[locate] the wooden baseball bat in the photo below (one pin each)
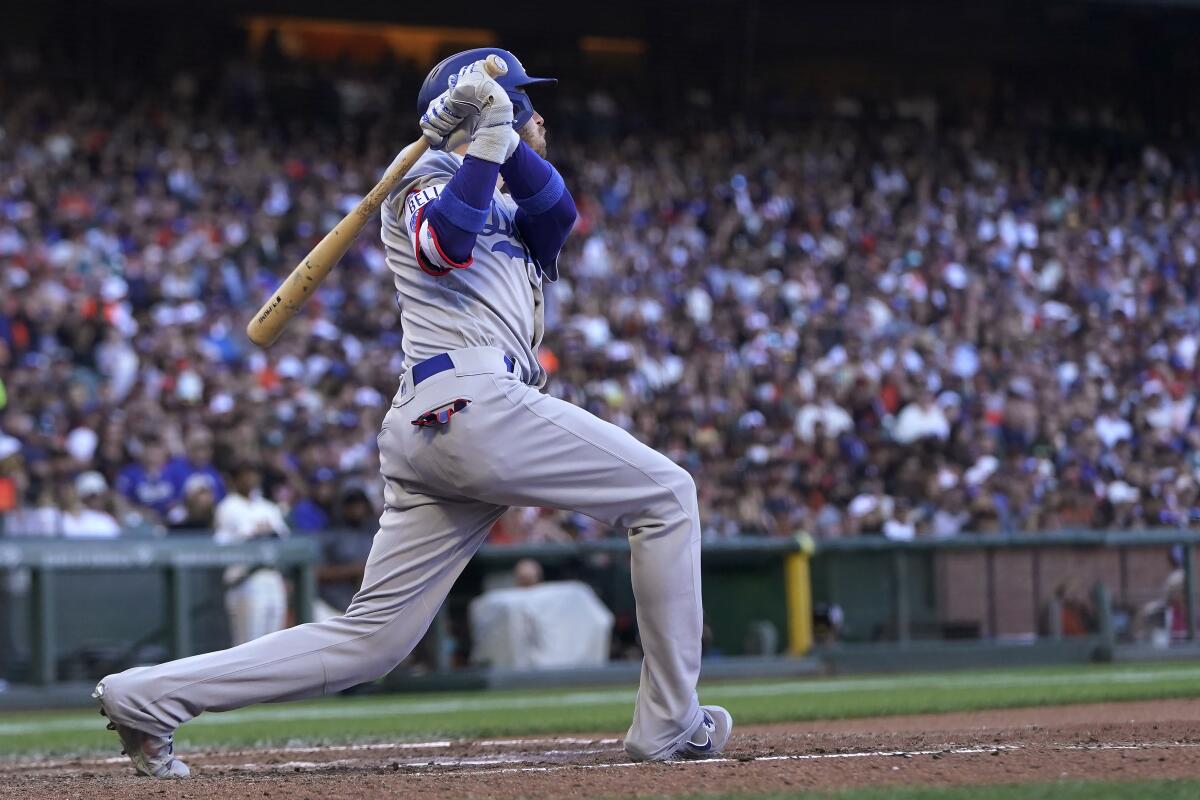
(267, 325)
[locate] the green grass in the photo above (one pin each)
(1147, 790)
(607, 710)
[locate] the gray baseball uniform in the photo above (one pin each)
(446, 483)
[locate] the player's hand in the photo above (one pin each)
(440, 121)
(474, 100)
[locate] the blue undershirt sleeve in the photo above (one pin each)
(461, 209)
(545, 209)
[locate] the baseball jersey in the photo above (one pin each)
(497, 301)
(238, 519)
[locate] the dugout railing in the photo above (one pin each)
(113, 597)
(961, 595)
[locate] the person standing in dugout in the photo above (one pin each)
(468, 435)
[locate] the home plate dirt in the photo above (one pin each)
(1116, 741)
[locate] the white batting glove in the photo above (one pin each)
(440, 120)
(477, 104)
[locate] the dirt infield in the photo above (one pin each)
(1118, 741)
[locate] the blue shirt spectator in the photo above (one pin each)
(145, 484)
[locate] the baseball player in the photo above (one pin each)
(468, 435)
(256, 600)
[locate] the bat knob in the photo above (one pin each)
(495, 66)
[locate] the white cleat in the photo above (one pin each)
(151, 755)
(710, 737)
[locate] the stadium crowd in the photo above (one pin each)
(839, 326)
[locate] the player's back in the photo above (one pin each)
(496, 301)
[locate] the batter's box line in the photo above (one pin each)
(515, 758)
(439, 744)
(954, 751)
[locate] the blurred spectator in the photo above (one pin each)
(1112, 428)
(255, 598)
(822, 417)
(531, 525)
(85, 512)
(527, 572)
(10, 454)
(197, 459)
(828, 621)
(315, 511)
(1163, 619)
(344, 551)
(920, 419)
(1077, 616)
(145, 484)
(539, 624)
(951, 517)
(197, 512)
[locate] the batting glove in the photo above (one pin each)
(477, 104)
(440, 120)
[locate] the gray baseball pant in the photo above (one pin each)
(444, 486)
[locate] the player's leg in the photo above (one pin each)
(517, 446)
(422, 546)
(586, 464)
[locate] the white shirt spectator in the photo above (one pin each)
(1112, 429)
(9, 446)
(83, 523)
(119, 362)
(983, 468)
(240, 519)
(40, 520)
(595, 330)
(1170, 414)
(81, 444)
(865, 503)
(899, 530)
(920, 421)
(833, 417)
(87, 523)
(948, 523)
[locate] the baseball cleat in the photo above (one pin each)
(151, 755)
(710, 737)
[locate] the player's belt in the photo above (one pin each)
(442, 362)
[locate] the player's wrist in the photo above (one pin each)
(496, 143)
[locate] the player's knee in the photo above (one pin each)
(118, 692)
(115, 686)
(680, 493)
(378, 659)
(381, 664)
(388, 646)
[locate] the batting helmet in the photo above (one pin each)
(514, 82)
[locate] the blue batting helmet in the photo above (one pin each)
(514, 82)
